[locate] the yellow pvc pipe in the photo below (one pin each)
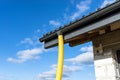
(60, 57)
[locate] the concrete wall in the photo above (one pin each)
(105, 47)
(104, 69)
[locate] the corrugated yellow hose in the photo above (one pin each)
(60, 57)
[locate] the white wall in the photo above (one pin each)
(104, 69)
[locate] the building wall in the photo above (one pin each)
(105, 47)
(104, 69)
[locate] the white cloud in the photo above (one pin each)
(54, 23)
(86, 57)
(7, 77)
(81, 7)
(38, 30)
(27, 41)
(30, 54)
(51, 74)
(68, 16)
(107, 2)
(31, 42)
(25, 55)
(87, 49)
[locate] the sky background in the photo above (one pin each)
(23, 22)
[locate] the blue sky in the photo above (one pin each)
(23, 22)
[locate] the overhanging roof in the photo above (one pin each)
(81, 29)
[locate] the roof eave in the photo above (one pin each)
(88, 18)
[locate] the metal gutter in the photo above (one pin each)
(100, 24)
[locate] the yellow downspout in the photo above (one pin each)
(60, 57)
